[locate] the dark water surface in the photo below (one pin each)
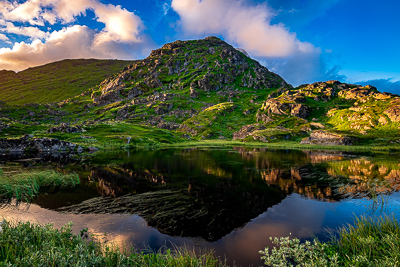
(228, 200)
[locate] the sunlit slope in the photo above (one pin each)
(55, 81)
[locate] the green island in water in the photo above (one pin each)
(191, 99)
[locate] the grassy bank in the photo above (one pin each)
(122, 135)
(26, 244)
(368, 243)
(282, 145)
(25, 186)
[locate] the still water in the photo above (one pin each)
(229, 200)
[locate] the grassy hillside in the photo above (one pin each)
(193, 90)
(56, 81)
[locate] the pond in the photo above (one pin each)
(230, 200)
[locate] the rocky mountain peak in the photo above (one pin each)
(189, 66)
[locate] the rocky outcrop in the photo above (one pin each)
(299, 110)
(280, 107)
(276, 107)
(65, 128)
(36, 144)
(247, 130)
(393, 113)
(356, 93)
(320, 137)
(163, 108)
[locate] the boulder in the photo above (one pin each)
(393, 113)
(193, 93)
(299, 110)
(320, 137)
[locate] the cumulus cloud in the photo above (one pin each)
(121, 25)
(249, 26)
(68, 10)
(122, 36)
(73, 42)
(26, 31)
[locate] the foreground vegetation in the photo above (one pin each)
(368, 243)
(25, 186)
(26, 244)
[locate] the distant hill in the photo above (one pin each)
(56, 81)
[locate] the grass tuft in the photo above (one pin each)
(25, 186)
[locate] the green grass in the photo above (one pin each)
(26, 244)
(369, 242)
(56, 81)
(25, 186)
(283, 145)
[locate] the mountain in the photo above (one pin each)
(56, 81)
(207, 89)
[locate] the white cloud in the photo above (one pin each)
(26, 31)
(246, 25)
(68, 10)
(121, 36)
(249, 26)
(28, 11)
(4, 38)
(121, 25)
(73, 42)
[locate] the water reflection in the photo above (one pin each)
(367, 177)
(234, 198)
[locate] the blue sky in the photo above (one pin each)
(304, 41)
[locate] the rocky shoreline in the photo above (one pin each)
(28, 143)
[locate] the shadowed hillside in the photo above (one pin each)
(56, 81)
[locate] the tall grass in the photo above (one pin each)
(25, 186)
(26, 244)
(369, 242)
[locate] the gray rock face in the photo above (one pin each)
(39, 144)
(320, 137)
